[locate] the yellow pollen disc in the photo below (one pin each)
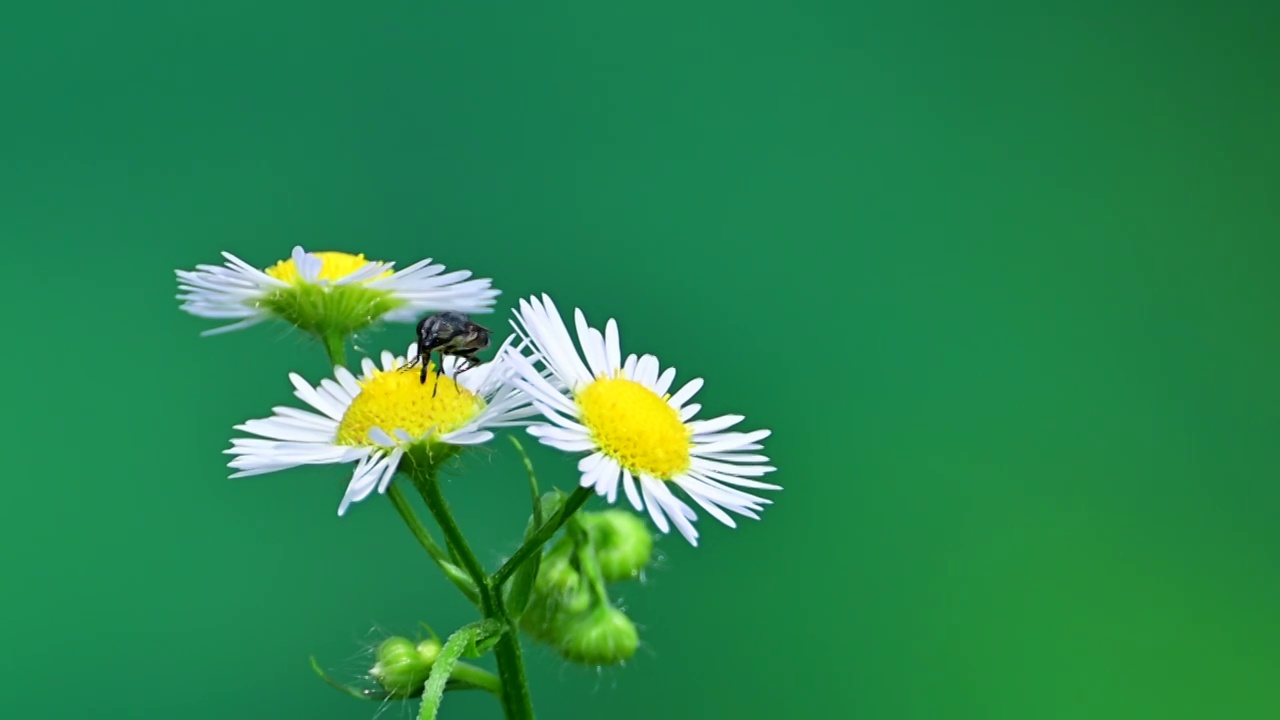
(636, 427)
(397, 400)
(333, 266)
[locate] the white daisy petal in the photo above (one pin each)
(711, 508)
(308, 265)
(735, 457)
(732, 478)
(594, 477)
(702, 427)
(664, 381)
(389, 467)
(283, 429)
(556, 418)
(532, 382)
(675, 508)
(612, 346)
(336, 391)
(590, 462)
(347, 380)
(471, 438)
(572, 446)
(647, 371)
(724, 467)
(548, 332)
(608, 474)
(309, 395)
(380, 437)
(683, 395)
(652, 505)
(731, 443)
(629, 485)
(722, 494)
(249, 322)
(602, 359)
(592, 346)
(303, 416)
(363, 482)
(703, 439)
(557, 433)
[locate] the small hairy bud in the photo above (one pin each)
(622, 543)
(402, 667)
(605, 636)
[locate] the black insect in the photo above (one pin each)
(449, 333)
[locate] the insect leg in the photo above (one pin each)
(439, 370)
(413, 361)
(468, 360)
(425, 359)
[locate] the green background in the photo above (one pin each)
(1001, 278)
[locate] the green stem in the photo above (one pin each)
(479, 677)
(425, 480)
(424, 538)
(540, 538)
(334, 346)
(584, 548)
(516, 702)
(510, 657)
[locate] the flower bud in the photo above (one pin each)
(561, 586)
(622, 542)
(557, 574)
(605, 636)
(402, 667)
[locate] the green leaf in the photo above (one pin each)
(533, 480)
(347, 689)
(470, 640)
(522, 582)
(431, 633)
(460, 579)
(487, 633)
(520, 588)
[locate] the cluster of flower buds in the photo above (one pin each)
(570, 609)
(401, 666)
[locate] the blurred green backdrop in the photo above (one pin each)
(1001, 277)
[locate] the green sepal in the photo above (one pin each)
(330, 310)
(604, 636)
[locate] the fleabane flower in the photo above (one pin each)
(375, 419)
(327, 293)
(635, 435)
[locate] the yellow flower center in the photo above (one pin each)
(333, 266)
(396, 400)
(634, 426)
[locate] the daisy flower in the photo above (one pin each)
(635, 435)
(375, 419)
(327, 292)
